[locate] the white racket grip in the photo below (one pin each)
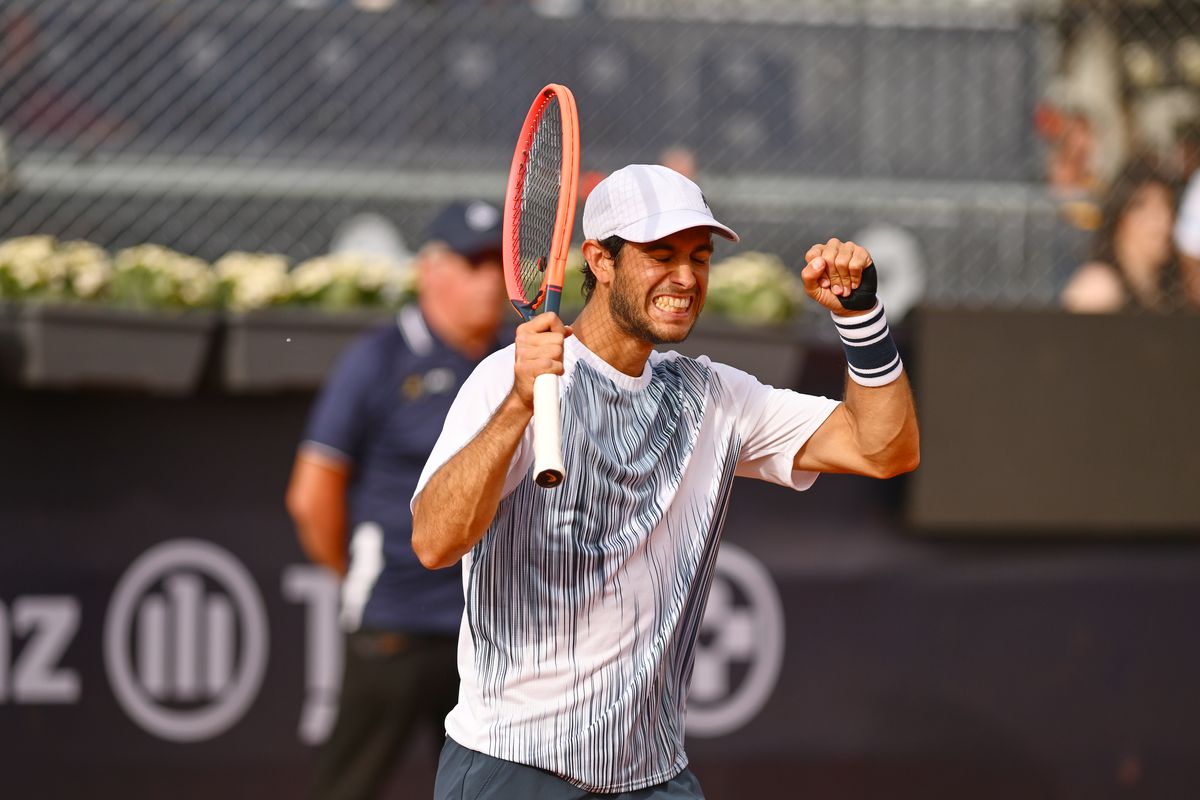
(547, 448)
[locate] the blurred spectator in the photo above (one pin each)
(681, 159)
(587, 181)
(368, 437)
(1187, 240)
(1187, 147)
(1072, 184)
(1133, 263)
(1162, 121)
(1187, 225)
(1071, 154)
(1090, 86)
(31, 101)
(1083, 121)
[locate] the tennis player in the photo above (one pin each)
(583, 602)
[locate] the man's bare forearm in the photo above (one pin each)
(324, 544)
(884, 421)
(456, 507)
(316, 500)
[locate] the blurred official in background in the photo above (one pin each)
(369, 434)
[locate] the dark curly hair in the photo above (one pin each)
(613, 245)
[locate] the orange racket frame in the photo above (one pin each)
(564, 224)
(548, 469)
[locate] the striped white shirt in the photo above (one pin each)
(583, 602)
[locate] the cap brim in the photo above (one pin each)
(660, 226)
(476, 244)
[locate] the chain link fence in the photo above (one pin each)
(932, 129)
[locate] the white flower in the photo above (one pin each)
(85, 266)
(351, 278)
(253, 280)
(89, 279)
(25, 260)
(26, 248)
(39, 265)
(313, 275)
(144, 256)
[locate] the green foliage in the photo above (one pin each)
(150, 276)
(754, 289)
(347, 280)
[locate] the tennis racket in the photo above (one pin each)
(539, 215)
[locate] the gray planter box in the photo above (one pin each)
(774, 354)
(81, 346)
(280, 349)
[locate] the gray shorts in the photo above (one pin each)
(468, 775)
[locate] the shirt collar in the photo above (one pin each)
(414, 330)
(576, 350)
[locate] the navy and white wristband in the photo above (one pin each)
(871, 354)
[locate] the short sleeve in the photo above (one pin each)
(338, 422)
(477, 400)
(773, 425)
(1187, 224)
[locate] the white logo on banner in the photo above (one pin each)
(740, 649)
(319, 590)
(185, 640)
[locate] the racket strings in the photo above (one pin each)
(540, 191)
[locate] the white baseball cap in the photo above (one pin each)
(647, 202)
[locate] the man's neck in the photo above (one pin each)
(598, 332)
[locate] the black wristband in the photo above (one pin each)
(863, 297)
(871, 355)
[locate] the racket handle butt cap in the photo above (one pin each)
(548, 478)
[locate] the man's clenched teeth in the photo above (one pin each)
(673, 303)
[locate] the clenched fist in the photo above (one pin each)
(840, 276)
(539, 351)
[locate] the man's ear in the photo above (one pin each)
(599, 261)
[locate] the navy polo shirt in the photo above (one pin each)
(381, 413)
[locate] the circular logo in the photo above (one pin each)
(185, 640)
(739, 651)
